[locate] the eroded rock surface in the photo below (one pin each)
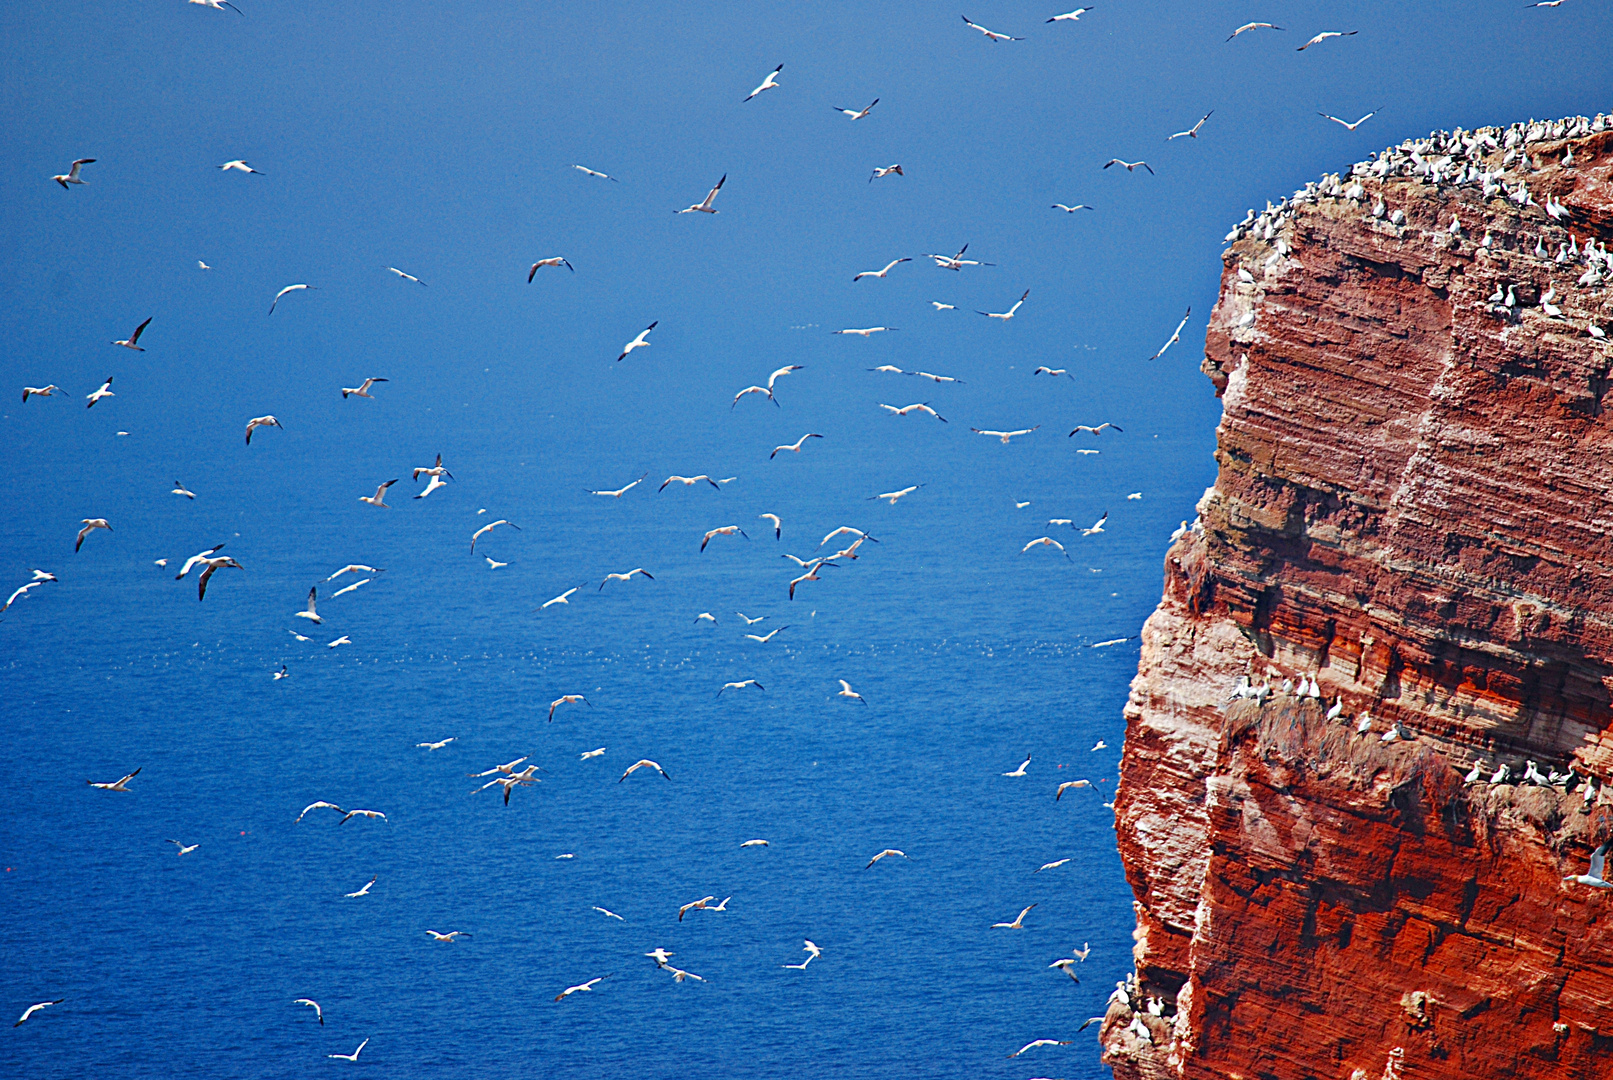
(1414, 507)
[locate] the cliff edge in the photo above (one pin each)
(1372, 723)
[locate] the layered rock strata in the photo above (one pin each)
(1412, 530)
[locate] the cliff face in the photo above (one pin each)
(1415, 507)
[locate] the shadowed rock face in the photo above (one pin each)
(1414, 506)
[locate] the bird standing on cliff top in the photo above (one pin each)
(1595, 877)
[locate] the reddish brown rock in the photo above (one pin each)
(1414, 506)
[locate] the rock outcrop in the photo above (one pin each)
(1412, 530)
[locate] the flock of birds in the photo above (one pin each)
(1308, 691)
(1452, 159)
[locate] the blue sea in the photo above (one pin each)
(969, 654)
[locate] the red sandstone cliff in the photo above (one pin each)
(1415, 506)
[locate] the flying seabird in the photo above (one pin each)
(1097, 526)
(882, 854)
(488, 528)
(1192, 132)
(378, 499)
(353, 568)
(1045, 541)
(437, 745)
(39, 391)
(448, 937)
(591, 172)
(238, 165)
(847, 692)
(365, 890)
(778, 526)
(1176, 335)
(223, 562)
(1069, 209)
(955, 262)
(362, 813)
(1059, 794)
(1050, 866)
(1324, 35)
(105, 391)
(567, 699)
(644, 763)
(893, 495)
(769, 83)
(1349, 126)
(1004, 435)
(1070, 16)
(607, 912)
(40, 1004)
(704, 205)
(1252, 26)
(920, 406)
(354, 1055)
(688, 481)
(557, 260)
(754, 843)
(865, 331)
(1005, 315)
(282, 292)
(625, 577)
(132, 341)
(115, 785)
(640, 342)
(879, 273)
(71, 176)
(1130, 166)
(754, 390)
(794, 447)
(857, 114)
(726, 530)
(181, 489)
(1017, 924)
(362, 390)
(256, 422)
(1039, 1042)
(1020, 772)
(1595, 876)
(1098, 430)
(741, 686)
(406, 277)
(619, 492)
(561, 599)
(22, 591)
(765, 638)
(991, 35)
(320, 805)
(320, 1013)
(90, 525)
(877, 174)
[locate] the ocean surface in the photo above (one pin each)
(970, 655)
(440, 139)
